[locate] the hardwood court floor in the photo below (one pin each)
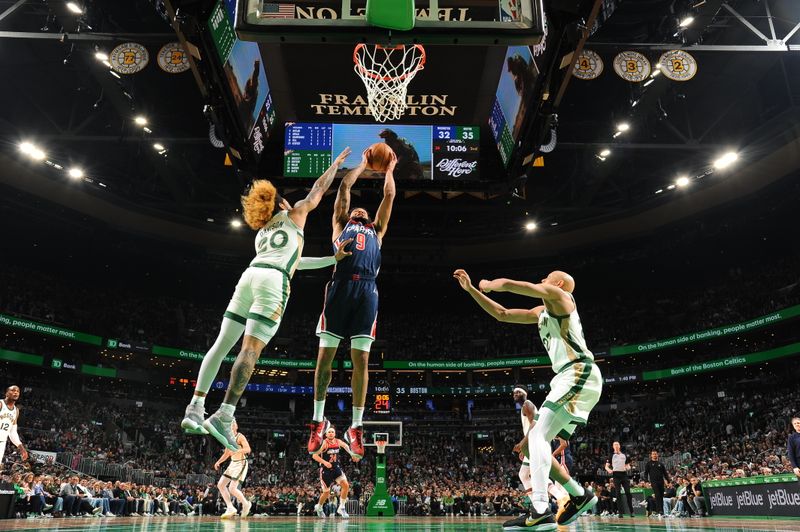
(399, 524)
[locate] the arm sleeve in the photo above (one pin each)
(315, 263)
(14, 436)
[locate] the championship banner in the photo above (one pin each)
(52, 330)
(716, 332)
(678, 65)
(466, 364)
(588, 66)
(777, 495)
(632, 66)
(42, 457)
(723, 363)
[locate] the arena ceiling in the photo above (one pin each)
(744, 98)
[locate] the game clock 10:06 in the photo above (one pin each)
(382, 404)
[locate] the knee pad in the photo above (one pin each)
(361, 343)
(328, 340)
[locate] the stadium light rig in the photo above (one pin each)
(236, 224)
(726, 160)
(75, 8)
(530, 226)
(682, 181)
(75, 173)
(140, 120)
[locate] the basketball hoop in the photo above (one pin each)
(386, 72)
(381, 445)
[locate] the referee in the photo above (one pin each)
(618, 466)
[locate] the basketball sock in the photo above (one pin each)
(319, 411)
(229, 333)
(198, 400)
(227, 409)
(358, 414)
(574, 488)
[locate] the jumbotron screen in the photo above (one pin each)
(423, 152)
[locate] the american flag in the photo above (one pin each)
(277, 10)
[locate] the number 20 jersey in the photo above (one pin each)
(279, 243)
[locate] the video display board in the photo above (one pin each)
(423, 152)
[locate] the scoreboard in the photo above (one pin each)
(424, 152)
(383, 399)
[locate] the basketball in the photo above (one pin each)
(379, 156)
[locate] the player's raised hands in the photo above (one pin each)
(340, 251)
(392, 162)
(463, 279)
(342, 156)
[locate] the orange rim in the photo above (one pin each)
(366, 72)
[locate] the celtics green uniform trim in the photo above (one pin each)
(567, 397)
(262, 319)
(235, 317)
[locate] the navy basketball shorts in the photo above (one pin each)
(350, 309)
(328, 477)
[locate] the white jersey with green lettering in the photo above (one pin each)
(563, 339)
(279, 244)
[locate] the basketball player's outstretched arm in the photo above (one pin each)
(493, 308)
(341, 206)
(541, 291)
(385, 208)
(300, 211)
(529, 411)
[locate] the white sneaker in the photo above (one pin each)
(340, 511)
(230, 513)
(246, 508)
(320, 511)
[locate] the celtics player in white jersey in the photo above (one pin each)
(574, 391)
(260, 298)
(9, 415)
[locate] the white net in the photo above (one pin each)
(386, 73)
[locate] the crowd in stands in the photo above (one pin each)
(700, 436)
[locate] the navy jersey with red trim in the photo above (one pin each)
(331, 454)
(365, 262)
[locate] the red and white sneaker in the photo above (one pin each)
(318, 429)
(355, 439)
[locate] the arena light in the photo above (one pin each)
(659, 191)
(26, 148)
(605, 153)
(140, 120)
(236, 224)
(75, 8)
(75, 173)
(530, 226)
(115, 75)
(726, 160)
(682, 181)
(106, 63)
(623, 127)
(670, 187)
(147, 130)
(648, 82)
(101, 56)
(686, 21)
(656, 72)
(159, 147)
(37, 154)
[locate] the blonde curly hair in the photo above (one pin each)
(259, 204)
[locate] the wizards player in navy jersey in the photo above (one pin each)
(330, 471)
(351, 302)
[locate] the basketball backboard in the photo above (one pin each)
(477, 22)
(389, 431)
